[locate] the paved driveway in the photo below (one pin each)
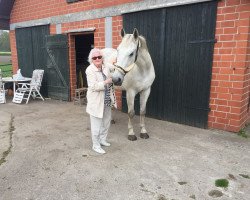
(48, 156)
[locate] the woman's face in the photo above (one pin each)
(97, 59)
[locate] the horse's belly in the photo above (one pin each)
(137, 84)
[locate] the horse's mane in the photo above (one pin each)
(143, 42)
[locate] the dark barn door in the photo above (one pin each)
(180, 41)
(57, 67)
(31, 51)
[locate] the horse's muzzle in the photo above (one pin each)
(117, 81)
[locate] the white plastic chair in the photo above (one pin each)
(2, 93)
(25, 90)
(2, 90)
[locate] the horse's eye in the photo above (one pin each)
(130, 55)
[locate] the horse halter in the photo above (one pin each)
(127, 69)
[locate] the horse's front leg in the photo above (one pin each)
(143, 101)
(131, 113)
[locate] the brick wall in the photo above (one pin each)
(14, 59)
(230, 84)
(25, 10)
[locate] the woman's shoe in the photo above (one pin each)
(104, 143)
(99, 150)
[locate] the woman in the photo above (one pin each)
(100, 98)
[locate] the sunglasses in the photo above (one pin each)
(99, 57)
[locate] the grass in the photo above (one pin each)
(242, 133)
(11, 130)
(6, 70)
(5, 53)
(221, 183)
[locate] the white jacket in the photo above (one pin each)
(96, 90)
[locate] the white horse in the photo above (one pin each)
(134, 71)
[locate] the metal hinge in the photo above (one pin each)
(203, 41)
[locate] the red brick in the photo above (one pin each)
(235, 110)
(232, 2)
(233, 128)
(218, 44)
(213, 95)
(236, 90)
(222, 120)
(216, 57)
(218, 24)
(225, 84)
(233, 116)
(240, 57)
(213, 89)
(230, 9)
(241, 8)
(224, 64)
(238, 84)
(210, 124)
(223, 108)
(222, 90)
(211, 119)
(214, 83)
(240, 51)
(234, 122)
(221, 102)
(219, 31)
(244, 30)
(245, 15)
(236, 97)
(235, 104)
(229, 44)
(227, 57)
(231, 16)
(224, 96)
(223, 77)
(227, 24)
(215, 69)
(221, 4)
(241, 36)
(230, 30)
(225, 51)
(218, 126)
(242, 22)
(219, 10)
(244, 1)
(220, 18)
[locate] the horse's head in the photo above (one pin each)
(127, 55)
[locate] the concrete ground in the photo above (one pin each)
(46, 155)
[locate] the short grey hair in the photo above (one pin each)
(92, 52)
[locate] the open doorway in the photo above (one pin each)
(83, 44)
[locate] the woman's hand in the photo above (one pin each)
(108, 81)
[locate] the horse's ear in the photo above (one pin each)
(123, 32)
(136, 33)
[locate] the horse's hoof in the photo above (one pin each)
(132, 137)
(144, 135)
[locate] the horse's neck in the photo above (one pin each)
(144, 61)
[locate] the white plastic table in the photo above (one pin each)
(10, 79)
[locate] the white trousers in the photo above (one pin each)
(100, 126)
